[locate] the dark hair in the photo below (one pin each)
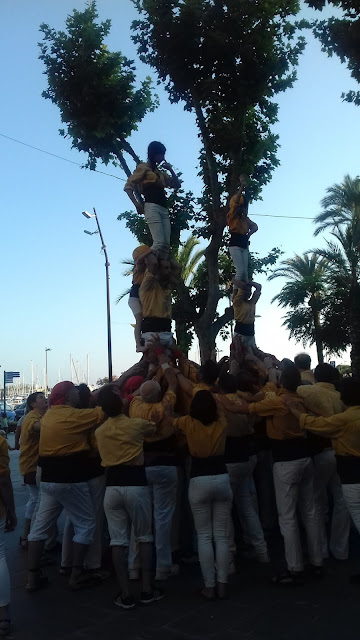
(290, 378)
(84, 396)
(154, 149)
(350, 391)
(209, 372)
(110, 401)
(227, 383)
(286, 362)
(203, 407)
(302, 361)
(324, 373)
(246, 380)
(31, 399)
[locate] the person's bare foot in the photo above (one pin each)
(208, 593)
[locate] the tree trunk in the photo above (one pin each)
(317, 332)
(207, 344)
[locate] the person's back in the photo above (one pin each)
(303, 363)
(321, 398)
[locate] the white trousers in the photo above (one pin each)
(210, 499)
(240, 258)
(326, 480)
(93, 557)
(352, 498)
(294, 489)
(245, 501)
(158, 221)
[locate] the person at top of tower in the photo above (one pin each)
(241, 228)
(150, 182)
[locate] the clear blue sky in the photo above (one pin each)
(53, 276)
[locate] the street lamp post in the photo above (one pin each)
(107, 264)
(46, 369)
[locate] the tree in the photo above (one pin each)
(305, 295)
(189, 261)
(343, 261)
(93, 88)
(341, 36)
(225, 61)
(341, 205)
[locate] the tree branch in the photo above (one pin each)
(220, 322)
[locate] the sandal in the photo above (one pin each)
(5, 627)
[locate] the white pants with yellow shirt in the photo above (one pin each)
(294, 490)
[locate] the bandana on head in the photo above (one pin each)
(131, 385)
(59, 392)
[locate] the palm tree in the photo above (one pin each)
(189, 263)
(343, 267)
(341, 205)
(304, 295)
(188, 259)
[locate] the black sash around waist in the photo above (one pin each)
(290, 449)
(71, 468)
(236, 449)
(239, 240)
(245, 329)
(161, 452)
(155, 325)
(155, 193)
(212, 466)
(122, 475)
(348, 468)
(134, 291)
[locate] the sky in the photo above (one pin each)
(53, 275)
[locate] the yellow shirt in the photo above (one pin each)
(139, 267)
(321, 399)
(244, 310)
(140, 409)
(29, 443)
(155, 300)
(145, 175)
(203, 440)
(280, 423)
(64, 430)
(4, 457)
(343, 429)
(189, 371)
(235, 223)
(120, 440)
(202, 386)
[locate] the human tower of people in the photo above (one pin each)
(166, 458)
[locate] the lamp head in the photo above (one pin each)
(87, 214)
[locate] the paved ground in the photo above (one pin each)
(256, 610)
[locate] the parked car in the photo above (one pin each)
(10, 414)
(20, 411)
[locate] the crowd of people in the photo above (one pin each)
(177, 460)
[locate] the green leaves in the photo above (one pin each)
(93, 88)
